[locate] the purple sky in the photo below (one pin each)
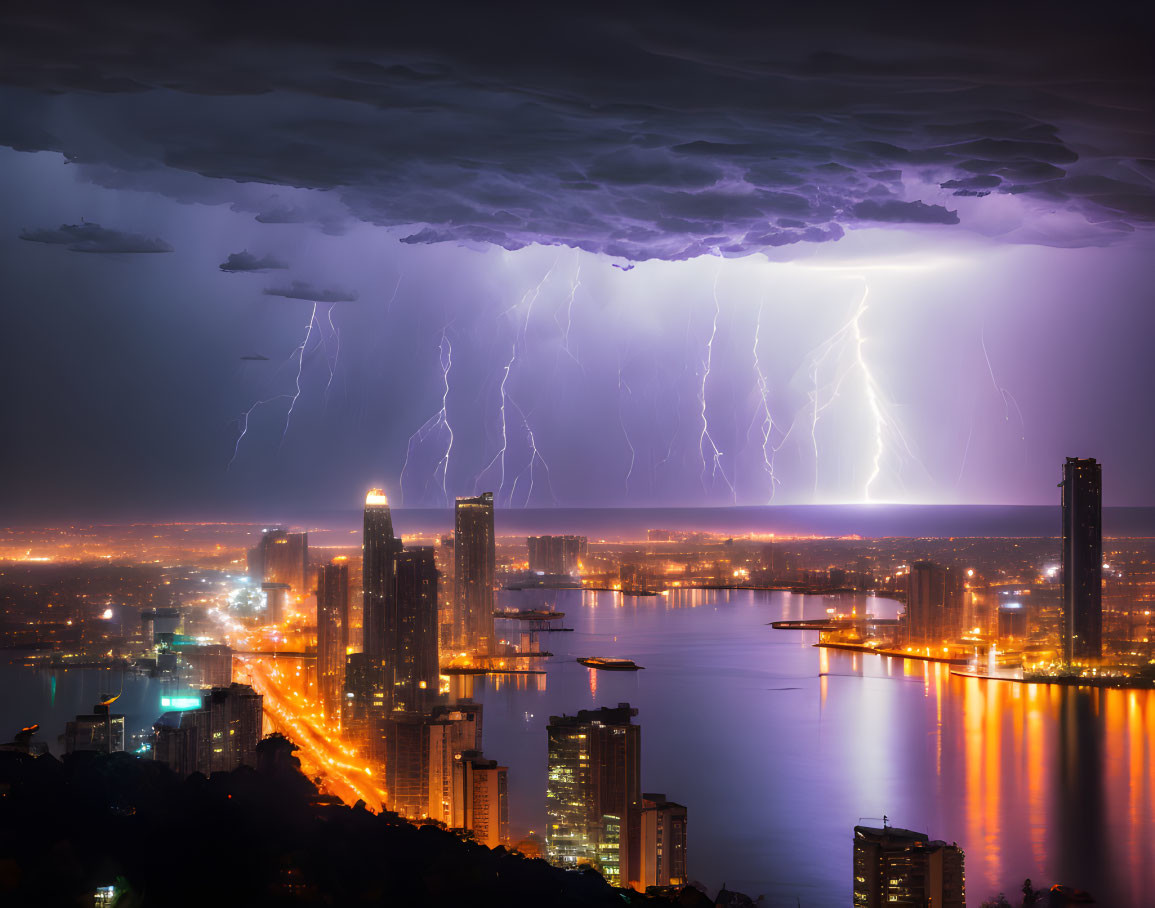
(692, 262)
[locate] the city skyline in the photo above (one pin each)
(411, 410)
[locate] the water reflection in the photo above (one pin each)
(778, 748)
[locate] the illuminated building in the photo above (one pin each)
(332, 635)
(556, 554)
(101, 731)
(479, 800)
(406, 741)
(898, 867)
(474, 571)
(218, 737)
(662, 857)
(363, 705)
(413, 660)
(379, 547)
(1082, 610)
(211, 664)
(593, 799)
(934, 603)
(276, 602)
(453, 730)
(283, 558)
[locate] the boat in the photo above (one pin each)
(529, 614)
(611, 665)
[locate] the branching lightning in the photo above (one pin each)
(1007, 398)
(438, 422)
(762, 417)
(300, 352)
(705, 437)
(622, 424)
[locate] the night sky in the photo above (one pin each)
(258, 256)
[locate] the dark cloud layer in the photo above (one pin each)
(302, 290)
(91, 237)
(640, 130)
(246, 261)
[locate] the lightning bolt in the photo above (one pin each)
(519, 340)
(436, 422)
(573, 289)
(1007, 398)
(500, 455)
(300, 352)
(848, 345)
(762, 417)
(243, 419)
(622, 424)
(705, 436)
(336, 335)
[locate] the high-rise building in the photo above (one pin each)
(934, 603)
(101, 730)
(663, 842)
(593, 799)
(474, 567)
(413, 661)
(480, 801)
(453, 730)
(406, 740)
(898, 867)
(276, 602)
(218, 737)
(1082, 610)
(556, 554)
(379, 548)
(332, 634)
(364, 705)
(283, 558)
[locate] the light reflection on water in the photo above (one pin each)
(778, 748)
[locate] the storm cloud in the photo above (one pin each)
(642, 132)
(91, 237)
(246, 261)
(302, 290)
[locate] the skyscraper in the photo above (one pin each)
(379, 548)
(593, 799)
(905, 869)
(101, 730)
(413, 661)
(453, 730)
(220, 736)
(556, 554)
(283, 558)
(473, 571)
(1082, 611)
(479, 801)
(934, 603)
(663, 842)
(332, 634)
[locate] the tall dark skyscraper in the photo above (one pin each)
(899, 867)
(473, 572)
(594, 799)
(1082, 630)
(332, 634)
(379, 548)
(413, 661)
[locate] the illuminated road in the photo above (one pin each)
(297, 717)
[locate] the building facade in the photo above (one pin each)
(556, 554)
(480, 801)
(662, 859)
(413, 661)
(898, 868)
(934, 604)
(1081, 634)
(474, 569)
(332, 635)
(283, 558)
(593, 799)
(220, 736)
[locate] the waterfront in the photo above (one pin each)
(778, 748)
